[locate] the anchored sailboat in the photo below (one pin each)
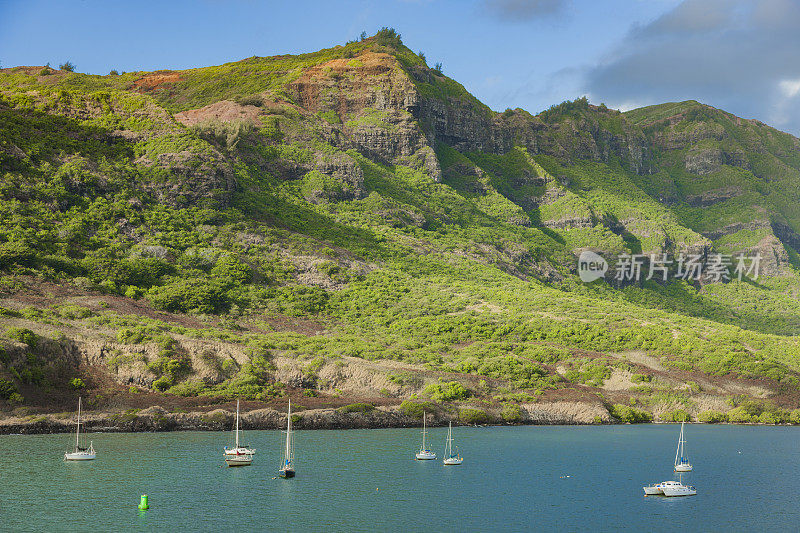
(451, 458)
(239, 455)
(682, 463)
(81, 453)
(287, 466)
(424, 454)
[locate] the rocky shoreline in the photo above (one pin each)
(157, 418)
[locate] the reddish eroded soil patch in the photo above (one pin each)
(155, 80)
(354, 75)
(366, 63)
(223, 111)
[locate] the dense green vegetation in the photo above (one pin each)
(236, 223)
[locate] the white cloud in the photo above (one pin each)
(738, 55)
(789, 88)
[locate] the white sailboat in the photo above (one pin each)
(80, 453)
(449, 457)
(287, 465)
(239, 455)
(424, 454)
(682, 464)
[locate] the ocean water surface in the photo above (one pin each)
(513, 479)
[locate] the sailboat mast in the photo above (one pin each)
(424, 429)
(289, 432)
(679, 451)
(78, 432)
(237, 423)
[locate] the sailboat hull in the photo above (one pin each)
(79, 456)
(453, 461)
(683, 468)
(286, 473)
(239, 460)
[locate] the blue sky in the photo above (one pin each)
(740, 55)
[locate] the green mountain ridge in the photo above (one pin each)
(351, 224)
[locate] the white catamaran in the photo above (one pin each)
(424, 454)
(239, 455)
(451, 458)
(287, 465)
(682, 464)
(80, 453)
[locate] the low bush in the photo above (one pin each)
(188, 388)
(473, 416)
(416, 409)
(630, 415)
(357, 408)
(446, 392)
(511, 413)
(740, 415)
(7, 388)
(712, 417)
(678, 415)
(23, 335)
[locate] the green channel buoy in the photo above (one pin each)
(143, 503)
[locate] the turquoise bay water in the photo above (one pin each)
(512, 479)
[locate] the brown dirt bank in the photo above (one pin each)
(159, 419)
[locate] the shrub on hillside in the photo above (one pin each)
(511, 413)
(678, 415)
(188, 388)
(7, 388)
(416, 409)
(740, 415)
(357, 408)
(446, 392)
(23, 335)
(16, 253)
(630, 415)
(712, 417)
(388, 37)
(473, 416)
(194, 295)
